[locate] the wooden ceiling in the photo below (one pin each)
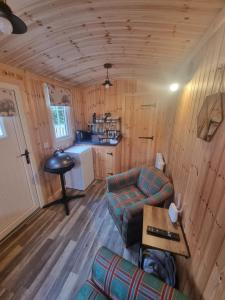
(72, 39)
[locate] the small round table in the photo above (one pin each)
(60, 163)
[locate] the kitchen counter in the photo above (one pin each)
(97, 143)
(106, 157)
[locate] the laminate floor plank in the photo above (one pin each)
(50, 255)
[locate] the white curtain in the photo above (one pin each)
(59, 96)
(7, 103)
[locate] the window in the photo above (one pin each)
(2, 129)
(60, 118)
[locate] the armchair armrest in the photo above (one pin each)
(119, 181)
(132, 218)
(120, 279)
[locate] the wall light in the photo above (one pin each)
(5, 26)
(174, 87)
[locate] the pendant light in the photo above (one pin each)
(10, 23)
(107, 83)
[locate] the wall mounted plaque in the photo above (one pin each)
(210, 116)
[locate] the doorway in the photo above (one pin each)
(140, 130)
(18, 193)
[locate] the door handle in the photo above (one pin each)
(27, 156)
(146, 137)
(110, 153)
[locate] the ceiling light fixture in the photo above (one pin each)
(10, 23)
(107, 83)
(174, 87)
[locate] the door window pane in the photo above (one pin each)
(2, 129)
(60, 117)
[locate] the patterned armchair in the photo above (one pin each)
(128, 192)
(115, 278)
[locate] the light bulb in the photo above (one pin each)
(5, 26)
(174, 87)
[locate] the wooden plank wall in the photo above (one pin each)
(36, 113)
(86, 101)
(142, 39)
(198, 172)
(97, 99)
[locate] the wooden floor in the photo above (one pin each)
(51, 255)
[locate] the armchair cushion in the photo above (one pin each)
(124, 198)
(154, 200)
(151, 181)
(122, 180)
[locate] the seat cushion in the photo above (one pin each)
(89, 291)
(122, 199)
(151, 181)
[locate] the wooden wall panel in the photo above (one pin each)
(197, 169)
(122, 100)
(36, 114)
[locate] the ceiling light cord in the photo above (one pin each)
(107, 83)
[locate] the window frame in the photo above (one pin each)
(67, 121)
(65, 141)
(3, 130)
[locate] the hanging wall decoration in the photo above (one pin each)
(211, 114)
(59, 96)
(7, 103)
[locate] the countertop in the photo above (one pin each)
(97, 144)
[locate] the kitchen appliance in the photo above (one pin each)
(83, 136)
(60, 163)
(82, 174)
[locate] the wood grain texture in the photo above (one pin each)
(144, 110)
(158, 217)
(71, 40)
(37, 115)
(136, 102)
(51, 256)
(197, 169)
(107, 160)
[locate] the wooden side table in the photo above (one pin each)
(159, 218)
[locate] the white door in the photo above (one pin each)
(18, 196)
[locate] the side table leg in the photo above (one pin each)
(140, 257)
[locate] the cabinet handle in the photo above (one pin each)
(110, 174)
(109, 153)
(148, 105)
